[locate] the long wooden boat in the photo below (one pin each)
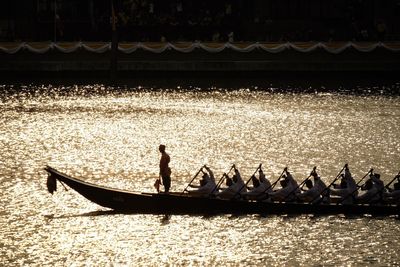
(177, 203)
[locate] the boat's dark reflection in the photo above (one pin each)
(86, 214)
(166, 218)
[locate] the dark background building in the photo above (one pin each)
(206, 20)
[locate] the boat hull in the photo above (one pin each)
(176, 203)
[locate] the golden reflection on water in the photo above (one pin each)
(111, 138)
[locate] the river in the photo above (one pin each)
(110, 137)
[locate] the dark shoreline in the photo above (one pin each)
(375, 72)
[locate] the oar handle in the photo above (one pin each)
(351, 194)
(258, 168)
(386, 186)
(394, 179)
(193, 178)
(301, 184)
(311, 174)
(221, 179)
(370, 171)
(238, 192)
(274, 183)
(327, 188)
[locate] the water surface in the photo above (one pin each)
(110, 137)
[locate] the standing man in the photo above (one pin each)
(165, 170)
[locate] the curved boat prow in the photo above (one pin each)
(112, 198)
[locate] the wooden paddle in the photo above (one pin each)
(327, 188)
(238, 192)
(274, 183)
(351, 194)
(221, 180)
(370, 171)
(193, 179)
(386, 186)
(301, 184)
(394, 179)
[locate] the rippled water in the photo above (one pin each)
(110, 137)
